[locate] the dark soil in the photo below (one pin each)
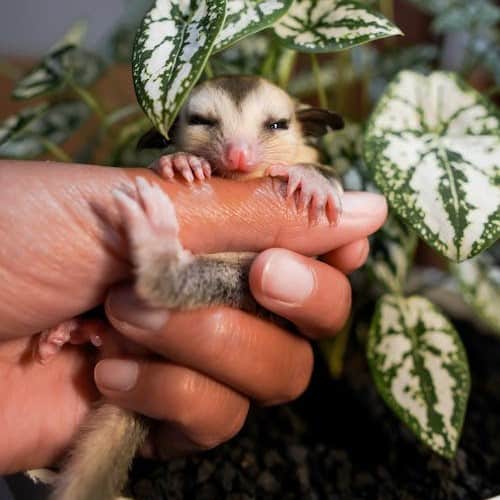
(339, 441)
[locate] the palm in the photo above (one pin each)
(42, 405)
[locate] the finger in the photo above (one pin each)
(67, 213)
(311, 294)
(349, 257)
(205, 411)
(253, 356)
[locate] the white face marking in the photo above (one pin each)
(240, 121)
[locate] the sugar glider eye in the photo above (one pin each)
(277, 125)
(201, 120)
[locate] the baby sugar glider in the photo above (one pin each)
(238, 127)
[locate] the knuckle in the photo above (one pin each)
(225, 431)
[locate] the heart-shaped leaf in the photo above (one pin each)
(330, 25)
(245, 17)
(420, 369)
(434, 146)
(479, 282)
(65, 60)
(23, 135)
(172, 46)
(391, 256)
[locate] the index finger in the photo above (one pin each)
(226, 215)
(63, 251)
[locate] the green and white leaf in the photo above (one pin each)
(391, 255)
(479, 282)
(245, 17)
(172, 46)
(420, 369)
(65, 60)
(330, 25)
(434, 146)
(23, 135)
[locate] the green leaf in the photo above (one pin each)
(330, 25)
(391, 255)
(23, 135)
(479, 282)
(172, 46)
(434, 146)
(65, 60)
(420, 369)
(245, 17)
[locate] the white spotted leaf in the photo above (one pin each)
(245, 17)
(420, 369)
(330, 25)
(23, 135)
(171, 48)
(479, 282)
(66, 59)
(391, 255)
(433, 144)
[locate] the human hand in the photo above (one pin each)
(63, 253)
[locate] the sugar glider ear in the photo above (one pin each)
(317, 121)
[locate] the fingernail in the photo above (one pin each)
(116, 374)
(362, 204)
(286, 279)
(125, 307)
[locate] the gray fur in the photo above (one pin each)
(238, 88)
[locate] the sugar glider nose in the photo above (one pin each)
(238, 157)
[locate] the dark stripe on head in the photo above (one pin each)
(237, 87)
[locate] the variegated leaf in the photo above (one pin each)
(172, 46)
(479, 281)
(434, 146)
(245, 17)
(391, 256)
(16, 124)
(420, 369)
(65, 60)
(329, 25)
(23, 135)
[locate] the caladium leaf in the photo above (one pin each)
(420, 369)
(329, 25)
(245, 17)
(434, 146)
(65, 60)
(16, 124)
(479, 282)
(391, 256)
(172, 46)
(23, 135)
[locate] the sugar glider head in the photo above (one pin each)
(243, 124)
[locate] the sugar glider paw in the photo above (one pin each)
(53, 339)
(150, 223)
(313, 191)
(74, 331)
(191, 167)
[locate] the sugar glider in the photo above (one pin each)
(238, 127)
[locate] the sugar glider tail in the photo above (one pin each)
(97, 469)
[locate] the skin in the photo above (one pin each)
(64, 252)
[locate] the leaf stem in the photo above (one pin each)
(209, 72)
(55, 150)
(285, 67)
(90, 100)
(322, 98)
(387, 8)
